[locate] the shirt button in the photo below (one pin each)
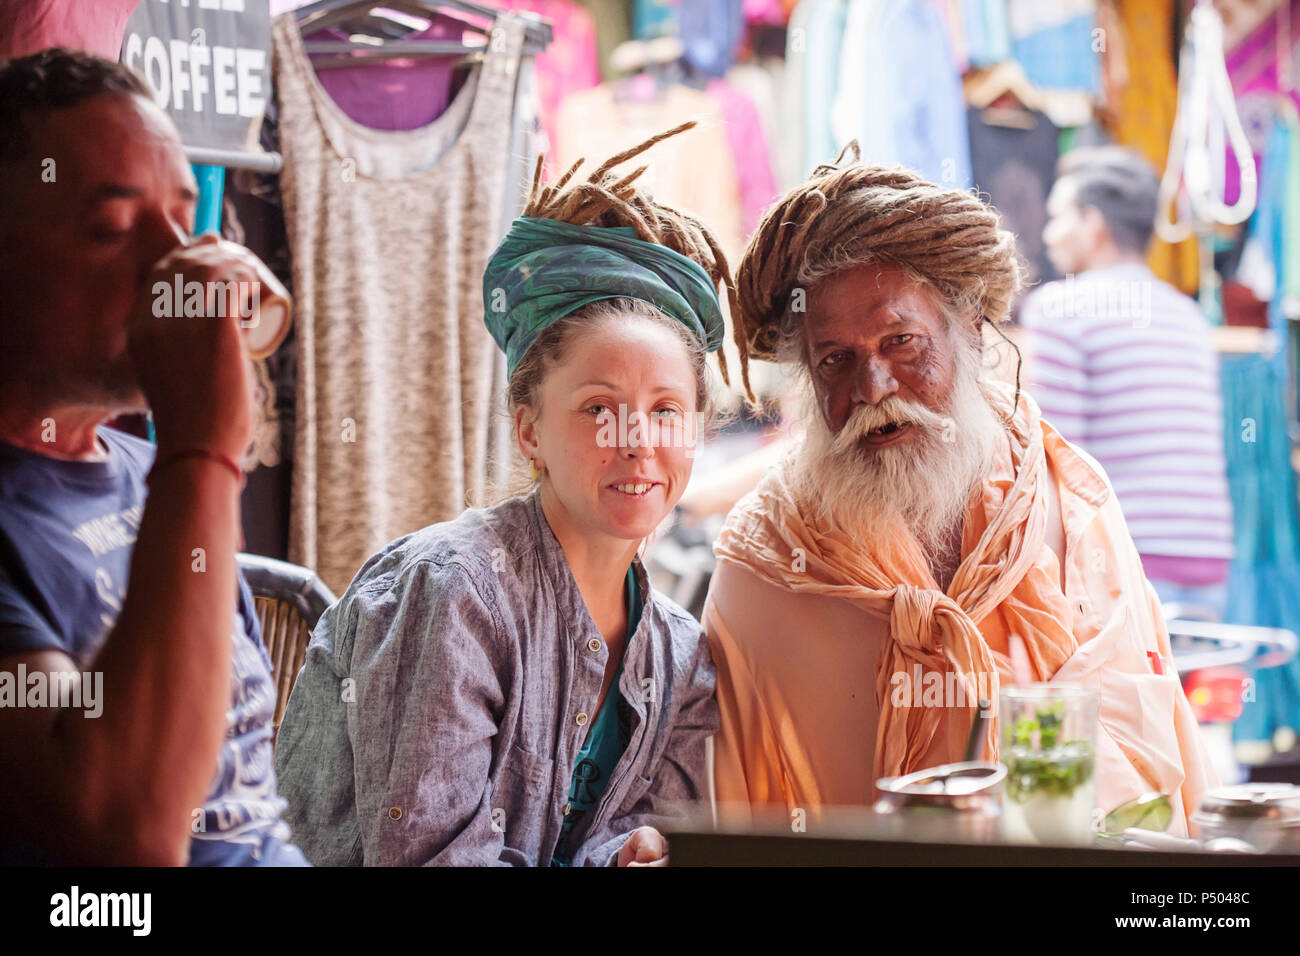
(395, 813)
(565, 810)
(593, 645)
(581, 719)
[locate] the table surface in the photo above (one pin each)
(700, 848)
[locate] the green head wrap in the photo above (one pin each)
(544, 270)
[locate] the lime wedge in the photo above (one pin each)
(1151, 811)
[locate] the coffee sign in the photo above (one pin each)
(209, 64)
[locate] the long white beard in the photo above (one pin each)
(925, 481)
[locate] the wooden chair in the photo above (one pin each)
(289, 600)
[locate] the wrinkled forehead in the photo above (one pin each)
(872, 295)
(118, 140)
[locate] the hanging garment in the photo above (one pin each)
(1288, 255)
(762, 81)
(527, 141)
(1017, 168)
(1054, 43)
(749, 151)
(950, 13)
(569, 62)
(390, 233)
(613, 22)
(27, 26)
(1114, 53)
(654, 18)
(988, 35)
(415, 93)
(710, 31)
(897, 113)
(1144, 117)
(1256, 69)
(1264, 583)
(253, 216)
(791, 92)
(762, 13)
(692, 172)
(389, 95)
(817, 42)
(859, 108)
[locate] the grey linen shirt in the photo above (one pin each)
(446, 695)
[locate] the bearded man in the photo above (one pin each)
(928, 520)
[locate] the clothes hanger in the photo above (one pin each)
(368, 29)
(983, 87)
(377, 12)
(1009, 115)
(315, 15)
(1003, 95)
(387, 22)
(372, 41)
(324, 13)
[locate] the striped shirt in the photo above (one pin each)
(1123, 366)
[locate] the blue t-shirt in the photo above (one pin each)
(605, 744)
(67, 529)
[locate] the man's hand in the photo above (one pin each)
(194, 370)
(645, 847)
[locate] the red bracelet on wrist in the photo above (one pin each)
(173, 457)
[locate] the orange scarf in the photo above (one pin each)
(1005, 584)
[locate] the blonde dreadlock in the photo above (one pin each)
(851, 214)
(604, 199)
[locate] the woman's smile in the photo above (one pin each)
(633, 487)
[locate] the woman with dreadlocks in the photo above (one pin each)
(507, 688)
(931, 529)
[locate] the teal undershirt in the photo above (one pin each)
(604, 746)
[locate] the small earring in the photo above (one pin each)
(533, 473)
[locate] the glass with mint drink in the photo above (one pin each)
(1048, 736)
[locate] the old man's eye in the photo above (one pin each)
(833, 359)
(903, 338)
